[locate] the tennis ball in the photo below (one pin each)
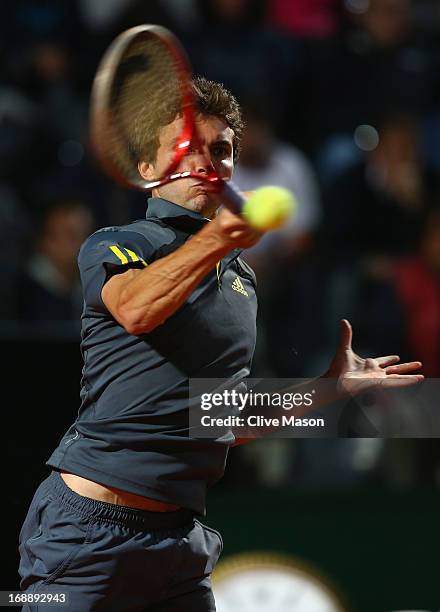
(269, 208)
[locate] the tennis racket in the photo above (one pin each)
(142, 83)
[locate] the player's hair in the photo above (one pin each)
(210, 97)
(213, 98)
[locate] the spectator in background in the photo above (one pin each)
(417, 284)
(234, 45)
(266, 160)
(48, 288)
(373, 215)
(109, 15)
(22, 22)
(375, 207)
(102, 15)
(65, 112)
(352, 79)
(19, 131)
(44, 113)
(306, 19)
(62, 113)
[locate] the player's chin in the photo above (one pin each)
(203, 202)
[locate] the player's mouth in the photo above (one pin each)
(203, 189)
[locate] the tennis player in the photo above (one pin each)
(166, 298)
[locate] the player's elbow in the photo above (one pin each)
(139, 329)
(136, 322)
(136, 316)
(133, 328)
(133, 324)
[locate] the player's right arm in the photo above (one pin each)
(140, 300)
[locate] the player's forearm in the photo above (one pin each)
(324, 392)
(159, 290)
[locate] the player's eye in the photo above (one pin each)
(220, 151)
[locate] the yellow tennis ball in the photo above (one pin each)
(269, 208)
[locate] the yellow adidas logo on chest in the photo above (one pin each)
(237, 285)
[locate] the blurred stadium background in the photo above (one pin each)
(342, 102)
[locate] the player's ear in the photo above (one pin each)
(146, 170)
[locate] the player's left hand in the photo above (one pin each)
(354, 375)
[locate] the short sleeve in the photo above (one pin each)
(106, 253)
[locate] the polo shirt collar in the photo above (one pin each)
(182, 218)
(173, 214)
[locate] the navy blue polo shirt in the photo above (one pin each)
(132, 430)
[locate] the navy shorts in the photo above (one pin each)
(113, 558)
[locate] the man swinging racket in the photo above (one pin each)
(166, 298)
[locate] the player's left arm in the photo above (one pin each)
(349, 374)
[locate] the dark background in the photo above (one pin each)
(342, 105)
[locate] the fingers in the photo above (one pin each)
(397, 380)
(388, 360)
(346, 335)
(403, 368)
(235, 230)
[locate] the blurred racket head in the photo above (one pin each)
(143, 82)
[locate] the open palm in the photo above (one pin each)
(355, 374)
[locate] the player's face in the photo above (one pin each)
(211, 150)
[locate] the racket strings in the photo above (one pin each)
(146, 95)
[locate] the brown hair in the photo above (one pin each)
(210, 98)
(213, 98)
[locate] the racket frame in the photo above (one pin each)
(103, 124)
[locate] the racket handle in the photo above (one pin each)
(231, 197)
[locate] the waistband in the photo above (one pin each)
(143, 520)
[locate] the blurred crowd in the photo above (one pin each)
(342, 105)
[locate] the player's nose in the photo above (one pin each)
(203, 164)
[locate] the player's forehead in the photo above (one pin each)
(209, 128)
(213, 128)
